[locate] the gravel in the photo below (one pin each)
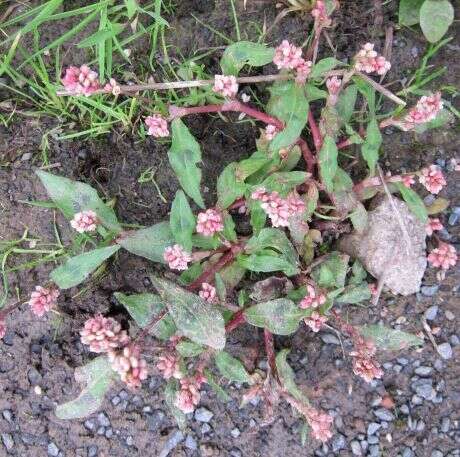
(203, 415)
(445, 351)
(423, 371)
(431, 313)
(445, 424)
(53, 450)
(429, 291)
(8, 441)
(424, 388)
(384, 415)
(175, 439)
(103, 420)
(356, 448)
(190, 443)
(373, 427)
(338, 442)
(329, 338)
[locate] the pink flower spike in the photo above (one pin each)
(43, 299)
(86, 221)
(189, 395)
(444, 256)
(103, 334)
(158, 126)
(270, 132)
(303, 69)
(366, 368)
(169, 366)
(333, 85)
(319, 12)
(320, 424)
(368, 61)
(113, 87)
(80, 81)
(287, 56)
(313, 299)
(225, 86)
(426, 109)
(433, 179)
(176, 257)
(2, 329)
(434, 224)
(407, 180)
(128, 363)
(315, 321)
(209, 222)
(208, 293)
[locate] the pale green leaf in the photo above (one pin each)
(287, 376)
(435, 18)
(389, 339)
(370, 147)
(409, 12)
(182, 221)
(328, 162)
(189, 348)
(414, 202)
(231, 368)
(242, 53)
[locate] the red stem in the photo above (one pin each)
(317, 138)
(270, 350)
(237, 320)
(152, 323)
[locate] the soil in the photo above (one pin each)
(38, 356)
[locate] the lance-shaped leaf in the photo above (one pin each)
(76, 269)
(388, 338)
(182, 221)
(323, 66)
(171, 391)
(231, 368)
(288, 103)
(346, 103)
(414, 202)
(436, 16)
(98, 376)
(150, 242)
(328, 162)
(355, 293)
(183, 156)
(287, 376)
(284, 182)
(267, 261)
(72, 197)
(194, 317)
(242, 53)
(370, 147)
(143, 308)
(229, 188)
(280, 316)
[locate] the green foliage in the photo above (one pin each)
(182, 221)
(98, 376)
(332, 272)
(346, 103)
(221, 394)
(229, 187)
(323, 66)
(370, 147)
(143, 308)
(189, 348)
(388, 338)
(194, 317)
(284, 182)
(435, 18)
(242, 53)
(77, 269)
(328, 162)
(287, 376)
(184, 155)
(409, 12)
(171, 391)
(231, 368)
(355, 293)
(414, 202)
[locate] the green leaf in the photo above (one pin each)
(231, 275)
(409, 12)
(183, 156)
(288, 103)
(359, 274)
(231, 368)
(189, 348)
(359, 217)
(72, 197)
(210, 379)
(205, 242)
(98, 376)
(328, 162)
(229, 228)
(313, 93)
(76, 269)
(323, 66)
(332, 272)
(100, 36)
(355, 294)
(280, 316)
(131, 8)
(435, 18)
(242, 53)
(367, 91)
(443, 117)
(370, 147)
(266, 262)
(287, 376)
(346, 103)
(149, 242)
(258, 216)
(414, 202)
(284, 182)
(221, 288)
(248, 167)
(182, 221)
(229, 188)
(388, 338)
(143, 308)
(342, 181)
(171, 391)
(195, 318)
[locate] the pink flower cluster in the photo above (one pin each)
(444, 256)
(315, 321)
(158, 126)
(320, 424)
(433, 179)
(189, 395)
(319, 12)
(278, 209)
(43, 299)
(369, 61)
(169, 366)
(85, 221)
(333, 85)
(426, 109)
(81, 81)
(209, 222)
(289, 57)
(225, 86)
(433, 225)
(2, 329)
(113, 87)
(176, 257)
(103, 334)
(270, 132)
(208, 293)
(313, 299)
(363, 363)
(128, 363)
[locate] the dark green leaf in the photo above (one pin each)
(189, 348)
(368, 93)
(100, 36)
(414, 202)
(435, 18)
(224, 396)
(409, 12)
(346, 103)
(355, 294)
(231, 368)
(314, 93)
(76, 269)
(150, 242)
(229, 228)
(284, 182)
(232, 275)
(258, 216)
(265, 262)
(221, 288)
(370, 147)
(287, 376)
(229, 188)
(182, 221)
(184, 155)
(323, 66)
(358, 217)
(389, 339)
(328, 162)
(359, 274)
(242, 53)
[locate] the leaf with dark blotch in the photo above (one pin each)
(143, 308)
(388, 338)
(194, 317)
(98, 376)
(150, 242)
(73, 197)
(231, 368)
(280, 316)
(76, 269)
(182, 221)
(184, 155)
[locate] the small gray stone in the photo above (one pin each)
(453, 218)
(123, 394)
(108, 433)
(373, 439)
(429, 291)
(372, 428)
(7, 440)
(235, 432)
(429, 199)
(437, 453)
(384, 415)
(408, 452)
(445, 424)
(235, 452)
(338, 442)
(445, 351)
(402, 361)
(7, 415)
(423, 371)
(205, 428)
(431, 312)
(374, 451)
(101, 431)
(190, 443)
(92, 451)
(329, 338)
(34, 376)
(176, 438)
(103, 420)
(203, 415)
(116, 400)
(416, 400)
(129, 440)
(424, 388)
(356, 448)
(53, 450)
(90, 425)
(438, 365)
(420, 426)
(404, 409)
(450, 316)
(155, 419)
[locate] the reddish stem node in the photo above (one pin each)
(317, 138)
